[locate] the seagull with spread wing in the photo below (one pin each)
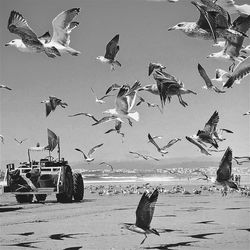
(203, 150)
(241, 70)
(88, 158)
(5, 87)
(117, 129)
(159, 149)
(29, 41)
(207, 134)
(144, 215)
(124, 102)
(20, 141)
(153, 66)
(111, 50)
(224, 172)
(213, 23)
(99, 100)
(209, 85)
(52, 103)
(107, 164)
(145, 157)
(85, 114)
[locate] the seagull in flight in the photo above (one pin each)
(99, 100)
(160, 150)
(213, 23)
(144, 215)
(207, 134)
(2, 138)
(247, 113)
(124, 102)
(240, 71)
(107, 164)
(203, 150)
(88, 158)
(224, 172)
(153, 66)
(4, 87)
(85, 114)
(52, 103)
(145, 157)
(150, 105)
(111, 50)
(51, 46)
(117, 129)
(209, 85)
(20, 141)
(156, 137)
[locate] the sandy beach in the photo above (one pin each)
(195, 221)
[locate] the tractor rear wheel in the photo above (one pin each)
(24, 198)
(78, 186)
(41, 197)
(67, 179)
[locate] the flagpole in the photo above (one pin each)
(59, 153)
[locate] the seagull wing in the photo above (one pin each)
(153, 142)
(145, 209)
(77, 149)
(112, 48)
(205, 21)
(205, 76)
(121, 102)
(19, 26)
(92, 150)
(241, 70)
(48, 108)
(151, 68)
(202, 149)
(210, 126)
(62, 26)
(225, 167)
(45, 38)
(112, 87)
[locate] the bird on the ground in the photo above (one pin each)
(20, 141)
(159, 149)
(52, 103)
(153, 66)
(99, 100)
(5, 87)
(88, 158)
(168, 86)
(241, 70)
(124, 102)
(143, 156)
(144, 215)
(111, 50)
(224, 172)
(247, 113)
(107, 164)
(233, 45)
(207, 134)
(213, 23)
(209, 85)
(85, 114)
(196, 143)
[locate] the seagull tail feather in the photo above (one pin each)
(134, 115)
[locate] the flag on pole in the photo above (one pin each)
(53, 140)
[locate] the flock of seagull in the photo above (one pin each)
(214, 23)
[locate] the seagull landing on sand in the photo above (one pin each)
(224, 173)
(88, 158)
(160, 150)
(52, 103)
(144, 215)
(196, 143)
(209, 85)
(240, 71)
(52, 46)
(99, 100)
(111, 50)
(5, 87)
(153, 66)
(125, 101)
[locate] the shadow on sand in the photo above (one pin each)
(9, 209)
(171, 246)
(63, 236)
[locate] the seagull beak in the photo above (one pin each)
(171, 28)
(7, 44)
